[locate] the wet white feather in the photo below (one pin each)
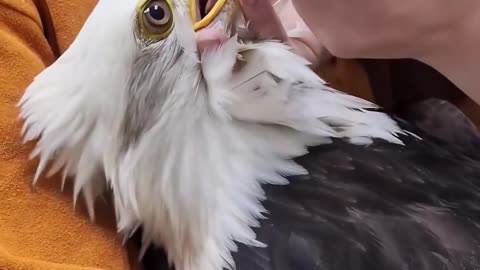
(193, 179)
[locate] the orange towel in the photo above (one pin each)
(40, 230)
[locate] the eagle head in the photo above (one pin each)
(184, 137)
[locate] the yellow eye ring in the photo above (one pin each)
(155, 19)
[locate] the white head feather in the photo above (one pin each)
(184, 144)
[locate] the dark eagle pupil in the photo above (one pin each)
(157, 13)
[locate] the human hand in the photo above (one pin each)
(441, 33)
(384, 28)
(278, 20)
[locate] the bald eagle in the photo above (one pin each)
(238, 156)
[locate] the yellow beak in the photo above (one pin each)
(207, 19)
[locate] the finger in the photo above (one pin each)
(311, 50)
(209, 5)
(263, 20)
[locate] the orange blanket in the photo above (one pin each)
(40, 229)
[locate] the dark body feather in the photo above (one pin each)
(377, 207)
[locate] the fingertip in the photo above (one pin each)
(316, 56)
(262, 19)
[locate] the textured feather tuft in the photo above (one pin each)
(68, 107)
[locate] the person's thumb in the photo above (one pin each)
(265, 24)
(262, 20)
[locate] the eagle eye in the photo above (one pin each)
(155, 19)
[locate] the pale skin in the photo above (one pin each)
(444, 34)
